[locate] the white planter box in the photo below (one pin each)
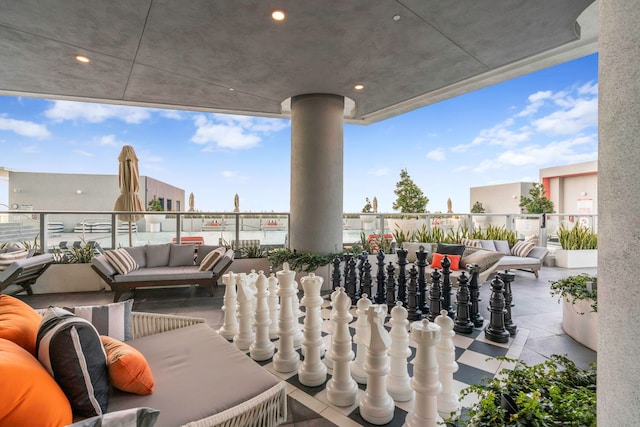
(245, 265)
(68, 278)
(581, 327)
(576, 258)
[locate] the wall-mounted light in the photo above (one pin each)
(16, 190)
(514, 197)
(78, 192)
(584, 193)
(278, 15)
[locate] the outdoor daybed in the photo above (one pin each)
(163, 265)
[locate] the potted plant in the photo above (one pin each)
(537, 203)
(154, 221)
(366, 218)
(410, 200)
(304, 263)
(250, 258)
(478, 208)
(71, 271)
(579, 247)
(579, 297)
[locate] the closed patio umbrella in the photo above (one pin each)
(129, 181)
(192, 202)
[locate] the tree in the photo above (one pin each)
(538, 202)
(410, 199)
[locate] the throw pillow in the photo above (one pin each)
(203, 251)
(29, 396)
(483, 258)
(109, 319)
(470, 243)
(444, 248)
(70, 349)
(502, 246)
(438, 257)
(19, 323)
(128, 369)
(212, 259)
(158, 255)
(121, 260)
(488, 244)
(134, 417)
(138, 254)
(522, 249)
(8, 258)
(181, 255)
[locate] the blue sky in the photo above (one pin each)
(500, 134)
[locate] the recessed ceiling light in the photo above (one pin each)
(359, 86)
(231, 89)
(396, 17)
(278, 15)
(82, 58)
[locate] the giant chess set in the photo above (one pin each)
(404, 358)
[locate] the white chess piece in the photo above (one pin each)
(295, 301)
(328, 361)
(312, 371)
(362, 326)
(286, 359)
(230, 327)
(425, 381)
(274, 306)
(398, 380)
(376, 406)
(262, 348)
(342, 390)
(245, 336)
(448, 399)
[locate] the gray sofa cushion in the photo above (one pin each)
(488, 244)
(138, 254)
(203, 251)
(164, 273)
(158, 255)
(483, 258)
(502, 246)
(181, 255)
(444, 248)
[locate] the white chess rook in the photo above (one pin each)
(328, 361)
(376, 406)
(446, 356)
(362, 327)
(230, 327)
(312, 371)
(342, 390)
(425, 380)
(274, 306)
(286, 359)
(398, 380)
(262, 348)
(245, 336)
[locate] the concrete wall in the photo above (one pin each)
(173, 197)
(502, 198)
(573, 188)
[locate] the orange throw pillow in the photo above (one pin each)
(454, 259)
(29, 396)
(128, 369)
(19, 323)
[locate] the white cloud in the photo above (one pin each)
(582, 114)
(379, 171)
(229, 174)
(24, 128)
(590, 88)
(172, 114)
(233, 132)
(536, 101)
(95, 113)
(83, 153)
(109, 140)
(500, 134)
(438, 154)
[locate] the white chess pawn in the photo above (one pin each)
(342, 390)
(362, 326)
(295, 301)
(448, 399)
(328, 361)
(398, 380)
(230, 326)
(274, 306)
(312, 371)
(376, 406)
(286, 359)
(245, 336)
(425, 381)
(262, 348)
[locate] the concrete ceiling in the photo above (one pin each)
(230, 56)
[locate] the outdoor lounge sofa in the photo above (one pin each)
(532, 262)
(163, 265)
(24, 272)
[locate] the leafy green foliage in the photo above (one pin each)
(410, 198)
(537, 203)
(154, 205)
(553, 393)
(576, 288)
(579, 237)
(438, 235)
(74, 255)
(367, 208)
(254, 251)
(299, 261)
(477, 207)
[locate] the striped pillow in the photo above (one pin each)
(121, 260)
(211, 259)
(522, 248)
(112, 319)
(8, 258)
(471, 243)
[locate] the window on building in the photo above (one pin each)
(178, 205)
(161, 199)
(168, 204)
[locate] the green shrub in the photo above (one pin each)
(576, 288)
(579, 237)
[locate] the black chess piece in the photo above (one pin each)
(507, 277)
(365, 285)
(496, 331)
(380, 279)
(463, 323)
(421, 263)
(336, 277)
(351, 281)
(445, 289)
(361, 258)
(346, 257)
(435, 296)
(391, 286)
(402, 276)
(412, 291)
(474, 296)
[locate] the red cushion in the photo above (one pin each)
(454, 259)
